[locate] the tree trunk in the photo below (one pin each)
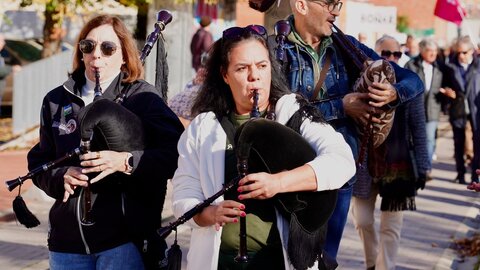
(52, 30)
(142, 20)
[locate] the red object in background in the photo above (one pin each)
(450, 10)
(474, 186)
(206, 9)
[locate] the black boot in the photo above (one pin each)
(460, 179)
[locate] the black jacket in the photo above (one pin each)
(466, 91)
(124, 204)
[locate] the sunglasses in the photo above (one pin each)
(87, 46)
(331, 5)
(464, 52)
(236, 32)
(387, 54)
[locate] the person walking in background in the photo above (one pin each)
(362, 37)
(411, 46)
(308, 47)
(405, 172)
(463, 87)
(383, 45)
(127, 188)
(201, 42)
(5, 70)
(240, 64)
(181, 103)
(427, 68)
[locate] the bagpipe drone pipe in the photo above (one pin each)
(104, 125)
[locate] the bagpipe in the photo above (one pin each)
(104, 125)
(263, 145)
(370, 71)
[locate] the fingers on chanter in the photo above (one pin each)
(90, 156)
(232, 209)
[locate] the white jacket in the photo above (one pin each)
(200, 173)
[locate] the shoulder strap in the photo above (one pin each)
(323, 76)
(228, 128)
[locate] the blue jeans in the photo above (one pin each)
(431, 127)
(337, 221)
(125, 257)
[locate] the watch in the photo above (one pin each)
(129, 163)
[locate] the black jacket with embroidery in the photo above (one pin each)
(124, 204)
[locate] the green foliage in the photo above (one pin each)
(6, 20)
(26, 3)
(402, 24)
(129, 3)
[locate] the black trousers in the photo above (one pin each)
(459, 150)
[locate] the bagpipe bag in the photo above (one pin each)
(272, 147)
(111, 126)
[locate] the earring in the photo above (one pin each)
(81, 59)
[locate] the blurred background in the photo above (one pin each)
(40, 34)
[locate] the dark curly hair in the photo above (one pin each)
(215, 95)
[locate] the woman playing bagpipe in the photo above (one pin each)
(124, 190)
(240, 75)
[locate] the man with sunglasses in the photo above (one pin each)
(463, 88)
(384, 46)
(307, 48)
(425, 65)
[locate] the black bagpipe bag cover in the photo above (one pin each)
(272, 147)
(111, 126)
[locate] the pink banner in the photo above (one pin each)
(450, 10)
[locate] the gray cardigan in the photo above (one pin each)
(432, 96)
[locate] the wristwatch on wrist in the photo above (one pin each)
(129, 163)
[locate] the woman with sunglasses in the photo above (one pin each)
(130, 189)
(238, 65)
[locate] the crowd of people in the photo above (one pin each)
(201, 141)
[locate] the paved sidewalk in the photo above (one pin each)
(446, 211)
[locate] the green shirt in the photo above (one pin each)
(263, 239)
